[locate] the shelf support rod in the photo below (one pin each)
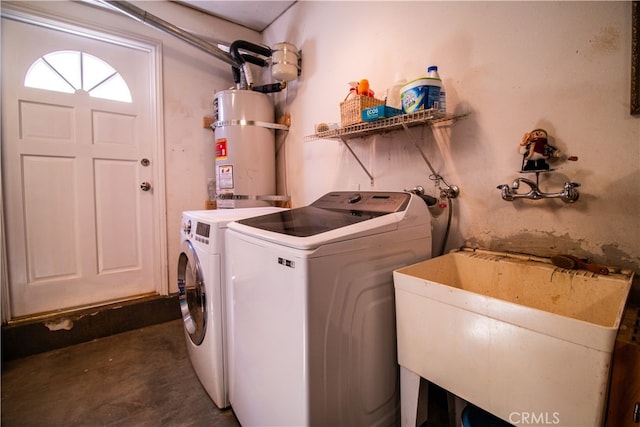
(415, 143)
(357, 159)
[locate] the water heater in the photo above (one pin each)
(245, 148)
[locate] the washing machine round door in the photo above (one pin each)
(191, 289)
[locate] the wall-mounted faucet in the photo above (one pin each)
(569, 194)
(536, 151)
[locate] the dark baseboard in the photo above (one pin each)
(24, 338)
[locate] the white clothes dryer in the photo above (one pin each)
(313, 309)
(202, 293)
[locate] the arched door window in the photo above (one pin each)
(72, 71)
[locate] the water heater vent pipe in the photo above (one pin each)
(147, 18)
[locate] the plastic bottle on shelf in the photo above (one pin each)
(434, 78)
(393, 93)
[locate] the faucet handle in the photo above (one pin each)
(506, 192)
(570, 194)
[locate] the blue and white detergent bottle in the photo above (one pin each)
(424, 93)
(434, 79)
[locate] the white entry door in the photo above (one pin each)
(79, 160)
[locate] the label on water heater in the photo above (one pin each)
(221, 149)
(225, 177)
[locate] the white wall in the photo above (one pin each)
(512, 67)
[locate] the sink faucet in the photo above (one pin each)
(569, 194)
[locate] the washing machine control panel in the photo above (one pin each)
(203, 229)
(201, 232)
(370, 201)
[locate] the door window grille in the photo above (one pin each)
(72, 71)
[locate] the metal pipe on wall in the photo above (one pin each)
(147, 18)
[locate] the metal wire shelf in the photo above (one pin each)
(360, 130)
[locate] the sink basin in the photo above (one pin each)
(515, 335)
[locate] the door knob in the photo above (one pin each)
(145, 186)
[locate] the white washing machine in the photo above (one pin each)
(313, 309)
(201, 288)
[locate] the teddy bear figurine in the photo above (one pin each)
(536, 151)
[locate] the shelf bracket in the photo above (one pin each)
(415, 143)
(357, 159)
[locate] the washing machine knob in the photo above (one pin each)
(187, 227)
(355, 198)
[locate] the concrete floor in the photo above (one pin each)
(136, 378)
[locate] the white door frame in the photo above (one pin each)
(154, 48)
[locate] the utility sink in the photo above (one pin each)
(515, 335)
